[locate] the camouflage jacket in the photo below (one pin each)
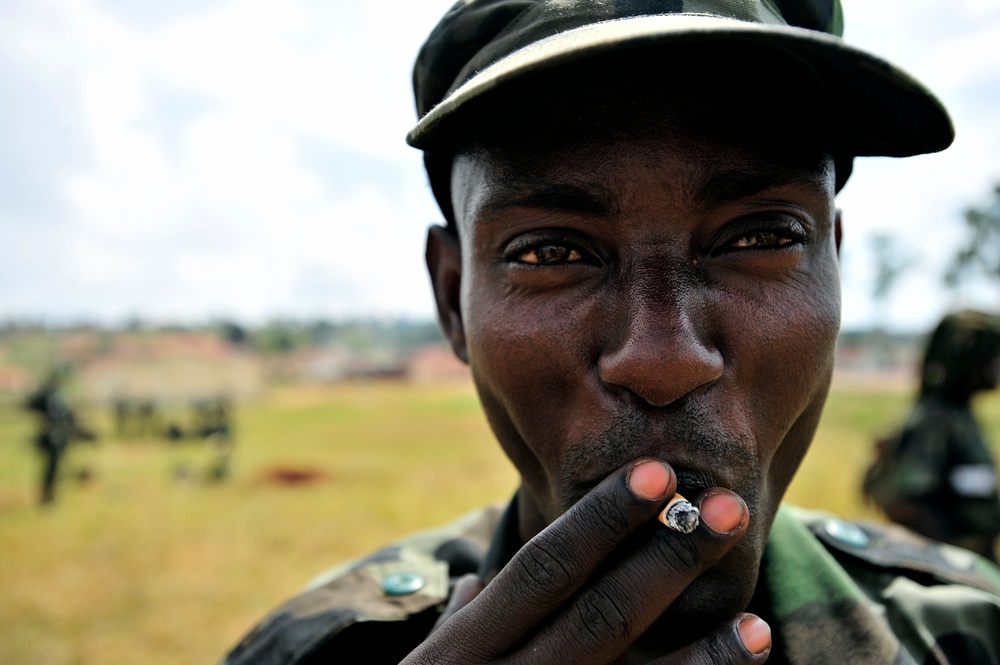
(940, 464)
(841, 592)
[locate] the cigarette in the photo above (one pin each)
(680, 515)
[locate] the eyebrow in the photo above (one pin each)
(594, 199)
(601, 200)
(733, 185)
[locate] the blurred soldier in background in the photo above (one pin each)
(211, 424)
(57, 428)
(937, 475)
(214, 426)
(136, 418)
(123, 414)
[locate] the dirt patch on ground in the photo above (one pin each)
(287, 475)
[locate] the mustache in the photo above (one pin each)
(701, 450)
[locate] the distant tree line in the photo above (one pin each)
(38, 347)
(281, 336)
(276, 336)
(979, 254)
(975, 260)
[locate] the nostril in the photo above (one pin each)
(660, 374)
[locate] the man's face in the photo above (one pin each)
(650, 292)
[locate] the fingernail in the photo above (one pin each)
(468, 587)
(722, 512)
(755, 634)
(649, 480)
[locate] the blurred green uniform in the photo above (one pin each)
(56, 430)
(937, 476)
(838, 592)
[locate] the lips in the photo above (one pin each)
(691, 483)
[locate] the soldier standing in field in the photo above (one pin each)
(937, 475)
(639, 262)
(57, 428)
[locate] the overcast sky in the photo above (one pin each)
(191, 159)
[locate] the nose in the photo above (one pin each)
(663, 350)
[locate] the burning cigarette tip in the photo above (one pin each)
(680, 515)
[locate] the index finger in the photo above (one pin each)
(558, 561)
(612, 611)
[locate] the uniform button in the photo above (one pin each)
(401, 584)
(845, 532)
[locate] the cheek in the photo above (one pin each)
(780, 340)
(791, 364)
(527, 356)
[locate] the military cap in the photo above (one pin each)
(960, 348)
(482, 46)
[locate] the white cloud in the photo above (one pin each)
(950, 47)
(224, 216)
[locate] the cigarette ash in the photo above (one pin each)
(680, 515)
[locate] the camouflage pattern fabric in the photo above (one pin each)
(959, 355)
(936, 475)
(841, 592)
(846, 592)
(941, 463)
(58, 425)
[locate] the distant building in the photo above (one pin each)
(437, 364)
(173, 367)
(13, 379)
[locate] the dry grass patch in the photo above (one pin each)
(135, 567)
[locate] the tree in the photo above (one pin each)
(890, 263)
(277, 337)
(233, 333)
(980, 254)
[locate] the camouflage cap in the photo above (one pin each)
(961, 348)
(480, 46)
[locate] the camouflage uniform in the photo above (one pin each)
(840, 592)
(58, 428)
(937, 475)
(942, 464)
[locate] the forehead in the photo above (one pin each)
(768, 116)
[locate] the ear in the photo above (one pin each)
(444, 263)
(838, 229)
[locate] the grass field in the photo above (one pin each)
(134, 566)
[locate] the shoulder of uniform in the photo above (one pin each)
(393, 584)
(900, 551)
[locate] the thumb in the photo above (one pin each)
(466, 589)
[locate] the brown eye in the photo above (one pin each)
(762, 239)
(550, 255)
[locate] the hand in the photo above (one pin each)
(564, 598)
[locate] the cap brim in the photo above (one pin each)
(883, 110)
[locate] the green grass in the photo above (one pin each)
(135, 567)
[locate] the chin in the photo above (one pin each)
(716, 596)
